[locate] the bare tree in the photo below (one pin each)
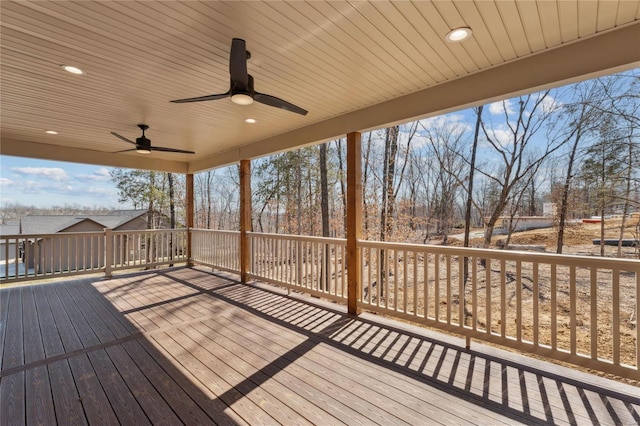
(515, 151)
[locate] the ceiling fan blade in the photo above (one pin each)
(124, 150)
(122, 137)
(163, 149)
(202, 98)
(278, 103)
(238, 64)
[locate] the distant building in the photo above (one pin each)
(521, 223)
(549, 210)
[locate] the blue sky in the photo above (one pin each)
(43, 183)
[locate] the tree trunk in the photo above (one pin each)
(343, 189)
(467, 213)
(386, 208)
(564, 205)
(625, 210)
(365, 179)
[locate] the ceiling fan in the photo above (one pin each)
(241, 91)
(143, 145)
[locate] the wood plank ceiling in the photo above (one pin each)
(354, 65)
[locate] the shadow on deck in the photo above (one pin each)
(186, 346)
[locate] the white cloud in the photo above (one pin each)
(502, 136)
(549, 104)
(52, 173)
(444, 120)
(96, 191)
(100, 175)
(103, 172)
(499, 108)
(6, 182)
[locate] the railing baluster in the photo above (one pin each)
(518, 301)
(343, 270)
(503, 298)
(554, 313)
(6, 258)
(488, 295)
(436, 287)
(637, 313)
(405, 281)
(474, 292)
(448, 282)
(425, 291)
(395, 280)
(572, 309)
(415, 283)
(535, 307)
(615, 281)
(461, 293)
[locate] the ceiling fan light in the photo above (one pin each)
(71, 69)
(143, 151)
(241, 99)
(458, 34)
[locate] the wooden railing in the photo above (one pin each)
(217, 249)
(575, 309)
(313, 265)
(149, 248)
(39, 256)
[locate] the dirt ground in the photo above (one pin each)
(578, 238)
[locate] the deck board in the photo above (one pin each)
(13, 354)
(39, 401)
(65, 394)
(183, 345)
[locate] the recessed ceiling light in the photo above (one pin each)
(72, 69)
(459, 34)
(250, 120)
(51, 132)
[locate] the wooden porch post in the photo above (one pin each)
(190, 214)
(245, 217)
(354, 220)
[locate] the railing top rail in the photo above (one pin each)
(148, 231)
(217, 231)
(299, 238)
(526, 256)
(59, 234)
(86, 234)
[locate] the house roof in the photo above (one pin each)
(354, 66)
(51, 224)
(10, 229)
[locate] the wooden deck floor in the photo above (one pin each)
(183, 346)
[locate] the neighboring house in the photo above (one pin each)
(78, 251)
(8, 248)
